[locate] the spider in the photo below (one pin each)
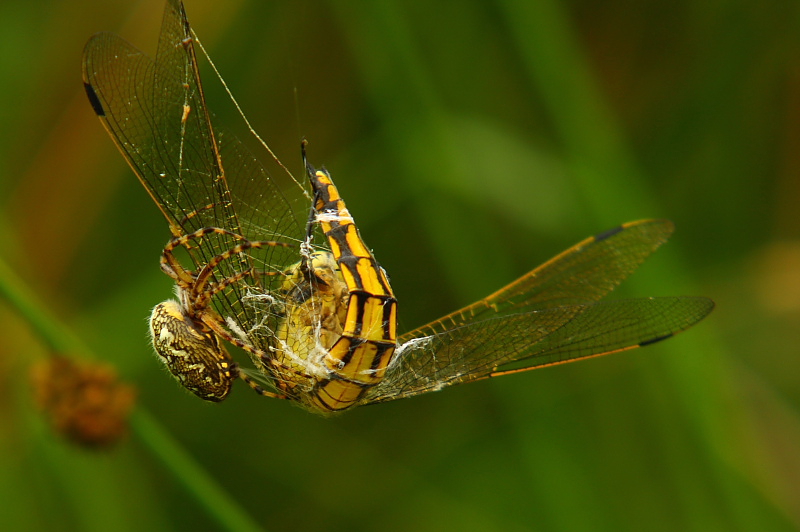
(186, 332)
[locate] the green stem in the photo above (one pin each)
(199, 483)
(23, 300)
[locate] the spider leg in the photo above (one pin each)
(255, 386)
(203, 275)
(172, 267)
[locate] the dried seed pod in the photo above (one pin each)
(83, 401)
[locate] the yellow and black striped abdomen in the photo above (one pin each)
(358, 359)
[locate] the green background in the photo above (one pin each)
(472, 141)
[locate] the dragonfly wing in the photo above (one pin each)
(523, 341)
(155, 112)
(583, 274)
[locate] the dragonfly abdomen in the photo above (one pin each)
(358, 359)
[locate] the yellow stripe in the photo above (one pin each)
(341, 392)
(355, 243)
(335, 250)
(349, 278)
(351, 321)
(372, 323)
(369, 278)
(357, 368)
(393, 322)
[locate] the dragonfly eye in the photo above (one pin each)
(191, 352)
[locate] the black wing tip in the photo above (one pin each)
(665, 226)
(656, 339)
(609, 233)
(706, 305)
(94, 100)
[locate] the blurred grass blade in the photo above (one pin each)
(194, 478)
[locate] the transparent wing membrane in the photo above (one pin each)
(476, 350)
(584, 273)
(548, 316)
(156, 113)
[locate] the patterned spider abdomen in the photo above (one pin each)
(191, 352)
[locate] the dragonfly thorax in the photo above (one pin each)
(315, 308)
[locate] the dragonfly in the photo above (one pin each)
(295, 286)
